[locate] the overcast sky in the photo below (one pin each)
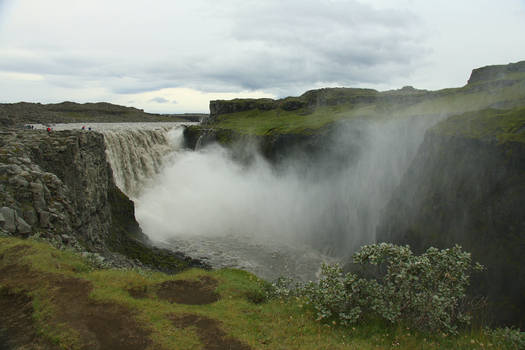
(174, 56)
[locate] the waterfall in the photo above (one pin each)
(137, 155)
(282, 219)
(266, 219)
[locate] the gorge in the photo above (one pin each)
(278, 186)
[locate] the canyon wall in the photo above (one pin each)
(468, 189)
(59, 186)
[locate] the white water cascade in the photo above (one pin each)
(137, 155)
(269, 221)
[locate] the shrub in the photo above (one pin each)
(508, 337)
(336, 296)
(422, 291)
(281, 288)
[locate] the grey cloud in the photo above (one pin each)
(271, 45)
(159, 100)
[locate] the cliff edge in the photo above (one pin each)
(59, 186)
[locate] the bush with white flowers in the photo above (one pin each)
(424, 291)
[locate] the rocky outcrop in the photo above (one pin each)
(496, 72)
(218, 107)
(312, 145)
(307, 102)
(30, 194)
(59, 186)
(468, 189)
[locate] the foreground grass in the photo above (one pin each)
(276, 324)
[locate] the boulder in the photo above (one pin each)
(9, 217)
(22, 226)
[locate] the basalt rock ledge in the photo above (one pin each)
(59, 186)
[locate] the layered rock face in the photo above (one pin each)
(276, 148)
(59, 186)
(468, 191)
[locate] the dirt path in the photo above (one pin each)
(94, 324)
(209, 332)
(16, 322)
(98, 325)
(199, 292)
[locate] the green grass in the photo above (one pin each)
(488, 124)
(276, 324)
(257, 122)
(390, 104)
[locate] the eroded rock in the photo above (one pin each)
(9, 216)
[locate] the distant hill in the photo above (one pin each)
(70, 112)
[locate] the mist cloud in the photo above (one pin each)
(333, 206)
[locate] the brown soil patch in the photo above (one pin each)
(138, 292)
(99, 325)
(16, 322)
(198, 292)
(209, 332)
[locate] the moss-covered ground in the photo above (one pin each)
(76, 306)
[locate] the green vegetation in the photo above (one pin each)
(315, 109)
(276, 121)
(489, 124)
(423, 291)
(72, 300)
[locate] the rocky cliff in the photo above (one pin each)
(497, 72)
(467, 186)
(59, 186)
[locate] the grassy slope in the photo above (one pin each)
(508, 92)
(490, 124)
(272, 325)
